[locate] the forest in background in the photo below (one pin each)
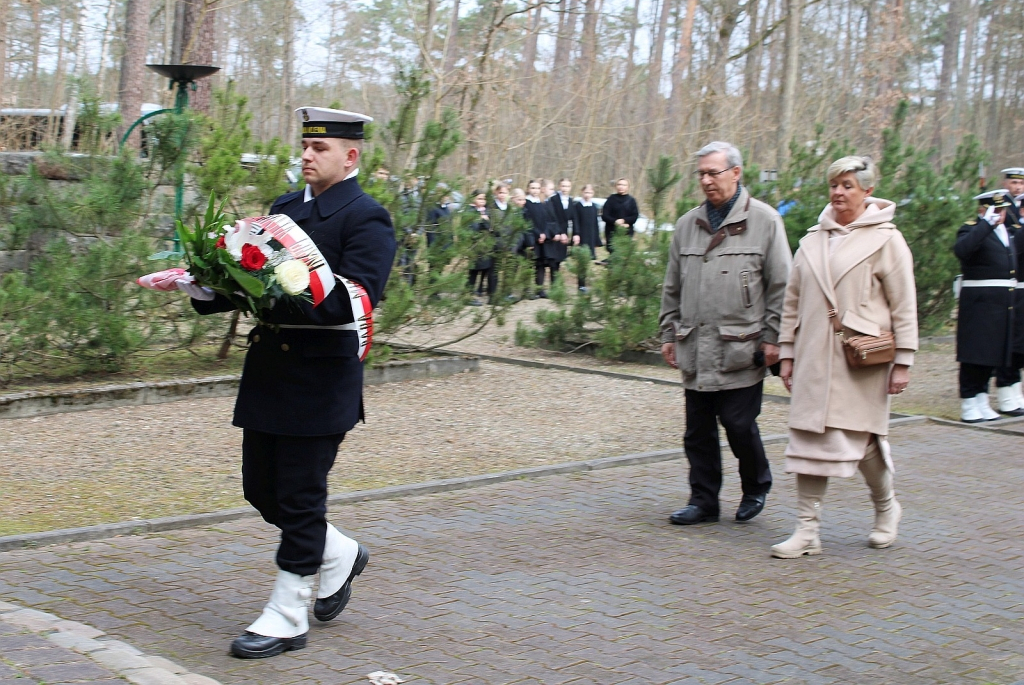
(591, 89)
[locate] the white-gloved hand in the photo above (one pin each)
(992, 217)
(195, 291)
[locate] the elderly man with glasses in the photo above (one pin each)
(720, 312)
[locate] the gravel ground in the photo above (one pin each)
(932, 390)
(183, 457)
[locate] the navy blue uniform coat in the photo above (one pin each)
(303, 382)
(985, 324)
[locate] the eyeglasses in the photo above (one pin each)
(702, 174)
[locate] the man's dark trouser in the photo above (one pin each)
(738, 411)
(285, 478)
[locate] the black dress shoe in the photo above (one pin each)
(691, 514)
(327, 608)
(750, 506)
(252, 646)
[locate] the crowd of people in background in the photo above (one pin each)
(547, 220)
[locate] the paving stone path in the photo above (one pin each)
(580, 579)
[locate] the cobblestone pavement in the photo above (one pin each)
(37, 648)
(580, 579)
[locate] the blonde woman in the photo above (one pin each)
(856, 267)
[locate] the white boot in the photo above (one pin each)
(805, 540)
(981, 402)
(286, 615)
(339, 556)
(969, 412)
(1007, 401)
(887, 510)
(1020, 394)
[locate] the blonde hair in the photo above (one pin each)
(864, 170)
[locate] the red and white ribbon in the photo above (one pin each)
(362, 311)
(300, 246)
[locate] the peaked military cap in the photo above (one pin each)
(321, 122)
(1014, 172)
(994, 198)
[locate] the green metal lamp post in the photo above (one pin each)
(184, 76)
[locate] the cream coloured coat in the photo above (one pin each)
(870, 280)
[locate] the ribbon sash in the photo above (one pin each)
(300, 246)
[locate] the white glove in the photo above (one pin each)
(992, 217)
(195, 291)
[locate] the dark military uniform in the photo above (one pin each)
(302, 388)
(987, 311)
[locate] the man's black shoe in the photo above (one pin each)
(327, 608)
(692, 514)
(252, 646)
(750, 506)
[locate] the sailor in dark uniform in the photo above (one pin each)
(302, 385)
(538, 214)
(1009, 398)
(985, 325)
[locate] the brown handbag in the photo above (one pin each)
(865, 350)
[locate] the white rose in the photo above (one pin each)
(293, 276)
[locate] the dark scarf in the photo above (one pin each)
(716, 215)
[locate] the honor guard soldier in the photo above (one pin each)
(1009, 398)
(985, 324)
(302, 385)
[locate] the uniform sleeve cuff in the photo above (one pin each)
(786, 351)
(904, 358)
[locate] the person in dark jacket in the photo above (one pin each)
(620, 212)
(479, 221)
(538, 213)
(302, 385)
(585, 228)
(987, 249)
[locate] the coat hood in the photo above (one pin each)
(879, 214)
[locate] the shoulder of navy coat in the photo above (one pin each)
(310, 381)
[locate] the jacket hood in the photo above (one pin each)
(879, 214)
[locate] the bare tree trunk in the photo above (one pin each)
(198, 35)
(451, 41)
(108, 38)
(964, 76)
(530, 49)
(133, 66)
(791, 73)
(3, 48)
(290, 122)
(71, 115)
(681, 62)
(566, 35)
(710, 119)
(634, 25)
(657, 54)
(428, 33)
(950, 53)
(37, 40)
(170, 9)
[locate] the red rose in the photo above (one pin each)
(221, 245)
(252, 258)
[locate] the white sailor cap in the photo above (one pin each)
(1014, 172)
(321, 122)
(994, 198)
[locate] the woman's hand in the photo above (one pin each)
(899, 379)
(786, 373)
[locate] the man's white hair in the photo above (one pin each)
(864, 170)
(732, 155)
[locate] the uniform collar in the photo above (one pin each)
(308, 194)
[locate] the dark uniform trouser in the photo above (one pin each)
(285, 478)
(1007, 376)
(738, 411)
(545, 263)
